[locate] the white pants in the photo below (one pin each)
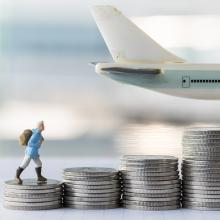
(27, 160)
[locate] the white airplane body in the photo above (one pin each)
(140, 61)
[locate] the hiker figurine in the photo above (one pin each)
(32, 139)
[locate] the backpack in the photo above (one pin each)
(25, 137)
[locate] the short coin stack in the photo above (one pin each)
(32, 195)
(91, 188)
(150, 182)
(201, 168)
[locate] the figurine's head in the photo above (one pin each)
(40, 125)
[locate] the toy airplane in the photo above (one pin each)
(140, 61)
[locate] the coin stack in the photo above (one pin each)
(150, 182)
(91, 188)
(201, 168)
(33, 195)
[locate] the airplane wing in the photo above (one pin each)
(126, 42)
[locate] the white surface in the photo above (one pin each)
(53, 169)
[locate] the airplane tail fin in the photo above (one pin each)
(126, 42)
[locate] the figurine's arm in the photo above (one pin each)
(40, 142)
(34, 140)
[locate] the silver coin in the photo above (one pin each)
(200, 146)
(203, 192)
(33, 191)
(200, 138)
(207, 200)
(92, 179)
(51, 203)
(92, 191)
(151, 204)
(203, 150)
(203, 204)
(198, 169)
(91, 171)
(32, 208)
(199, 157)
(200, 174)
(201, 153)
(212, 188)
(151, 191)
(172, 166)
(189, 137)
(149, 166)
(146, 174)
(92, 195)
(147, 208)
(171, 182)
(201, 171)
(92, 183)
(211, 146)
(197, 183)
(85, 190)
(32, 200)
(79, 206)
(201, 166)
(201, 196)
(202, 163)
(91, 203)
(144, 169)
(126, 177)
(150, 158)
(77, 186)
(32, 184)
(188, 206)
(199, 141)
(139, 186)
(200, 179)
(92, 199)
(202, 130)
(32, 196)
(152, 195)
(149, 199)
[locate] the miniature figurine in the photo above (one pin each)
(33, 140)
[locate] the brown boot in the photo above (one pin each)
(17, 176)
(40, 178)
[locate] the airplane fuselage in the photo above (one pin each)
(200, 81)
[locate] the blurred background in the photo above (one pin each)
(45, 48)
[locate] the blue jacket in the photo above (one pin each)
(34, 144)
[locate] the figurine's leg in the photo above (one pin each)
(38, 168)
(20, 169)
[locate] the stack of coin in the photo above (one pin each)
(201, 168)
(33, 195)
(150, 182)
(91, 188)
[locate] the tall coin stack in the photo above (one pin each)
(150, 182)
(91, 188)
(33, 195)
(201, 168)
